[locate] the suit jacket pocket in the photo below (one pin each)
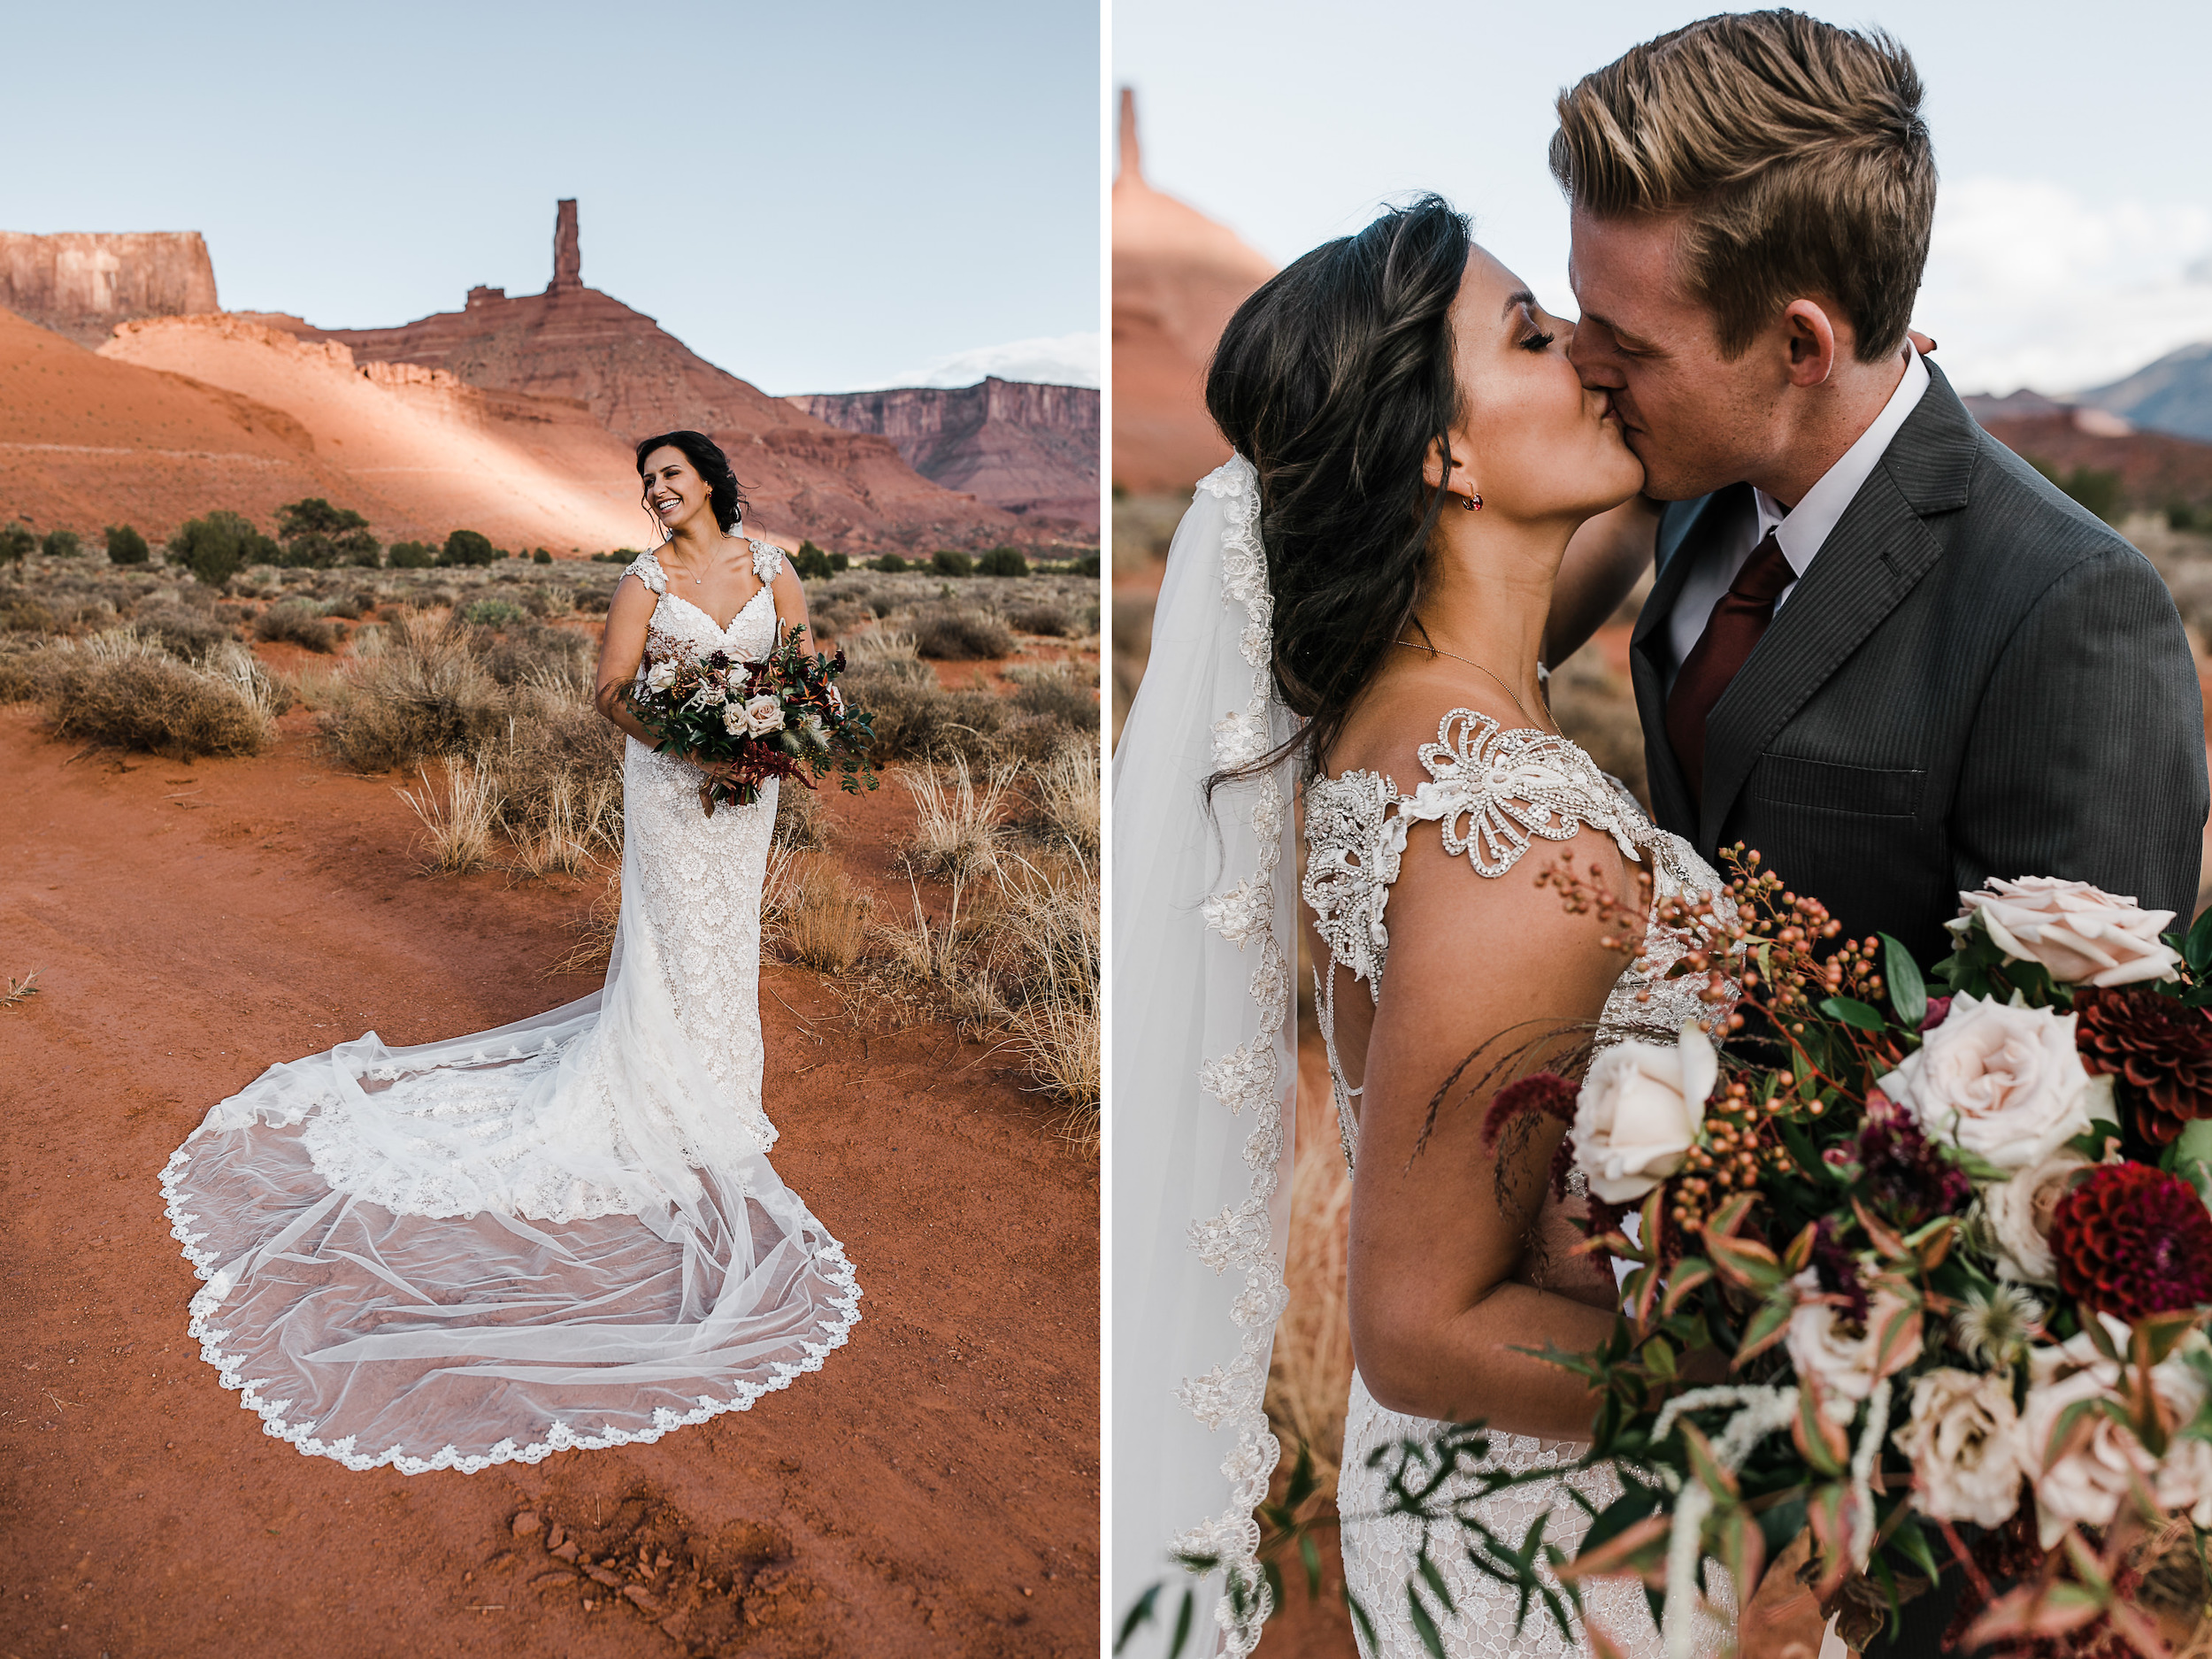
(1823, 786)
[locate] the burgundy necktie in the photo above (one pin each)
(1739, 617)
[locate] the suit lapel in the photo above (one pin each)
(1878, 549)
(1682, 530)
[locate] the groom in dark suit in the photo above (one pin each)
(1879, 648)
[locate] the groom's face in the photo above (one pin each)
(1697, 420)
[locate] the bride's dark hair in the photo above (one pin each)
(725, 495)
(1334, 380)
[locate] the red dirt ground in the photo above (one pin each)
(933, 1490)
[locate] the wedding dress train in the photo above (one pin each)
(1492, 794)
(562, 1233)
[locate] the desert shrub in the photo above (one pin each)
(182, 631)
(125, 546)
(957, 635)
(315, 536)
(558, 660)
(2092, 487)
(411, 556)
(1002, 561)
(424, 693)
(216, 548)
(812, 909)
(2181, 516)
(1063, 693)
(541, 557)
(61, 544)
(17, 542)
(349, 605)
(1045, 620)
(1049, 927)
(800, 819)
(812, 564)
(118, 688)
(460, 820)
(468, 548)
(889, 562)
(587, 600)
(946, 562)
(296, 623)
(915, 719)
(22, 614)
(491, 613)
(839, 562)
(1088, 565)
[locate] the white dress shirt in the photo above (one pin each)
(1800, 531)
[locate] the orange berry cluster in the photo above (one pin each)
(1737, 1147)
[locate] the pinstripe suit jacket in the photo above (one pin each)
(1975, 678)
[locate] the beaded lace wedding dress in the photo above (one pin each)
(562, 1233)
(1492, 793)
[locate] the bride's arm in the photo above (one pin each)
(1437, 1235)
(791, 606)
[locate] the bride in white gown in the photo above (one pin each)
(566, 1232)
(1355, 606)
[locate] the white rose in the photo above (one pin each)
(1640, 1110)
(1820, 1345)
(2019, 1212)
(660, 676)
(2084, 1486)
(1963, 1439)
(764, 714)
(2184, 1474)
(2081, 934)
(2002, 1080)
(734, 719)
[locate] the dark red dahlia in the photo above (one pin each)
(2160, 1050)
(1837, 1271)
(2132, 1240)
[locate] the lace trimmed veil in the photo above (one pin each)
(1205, 1074)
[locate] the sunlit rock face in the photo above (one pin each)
(82, 283)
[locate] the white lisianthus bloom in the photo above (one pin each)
(2002, 1080)
(1821, 1345)
(1963, 1438)
(734, 719)
(764, 714)
(2081, 934)
(713, 697)
(2084, 1486)
(1640, 1111)
(2019, 1212)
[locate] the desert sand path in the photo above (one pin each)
(934, 1490)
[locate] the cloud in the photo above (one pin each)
(1063, 359)
(2028, 284)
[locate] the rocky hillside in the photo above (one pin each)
(1178, 278)
(849, 489)
(81, 284)
(2173, 395)
(1030, 449)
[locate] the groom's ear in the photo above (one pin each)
(1809, 337)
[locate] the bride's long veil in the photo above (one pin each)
(1205, 1076)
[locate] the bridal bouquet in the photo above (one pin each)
(781, 716)
(1922, 1278)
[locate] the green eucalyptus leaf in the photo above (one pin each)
(1907, 991)
(1853, 1013)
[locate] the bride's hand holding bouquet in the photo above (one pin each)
(742, 723)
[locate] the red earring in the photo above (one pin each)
(1471, 501)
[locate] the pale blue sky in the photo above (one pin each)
(2074, 224)
(816, 197)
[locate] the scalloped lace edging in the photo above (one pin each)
(559, 1437)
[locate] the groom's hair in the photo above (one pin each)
(1796, 150)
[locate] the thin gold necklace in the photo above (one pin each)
(1437, 650)
(701, 581)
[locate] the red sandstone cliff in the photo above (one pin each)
(81, 284)
(804, 477)
(1030, 447)
(1178, 278)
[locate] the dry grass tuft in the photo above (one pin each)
(879, 645)
(297, 624)
(20, 990)
(461, 822)
(960, 635)
(801, 819)
(1068, 797)
(957, 828)
(121, 688)
(813, 910)
(1310, 1374)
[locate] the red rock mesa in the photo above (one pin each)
(1178, 277)
(1030, 447)
(82, 284)
(849, 489)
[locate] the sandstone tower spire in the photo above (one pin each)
(1131, 158)
(567, 259)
